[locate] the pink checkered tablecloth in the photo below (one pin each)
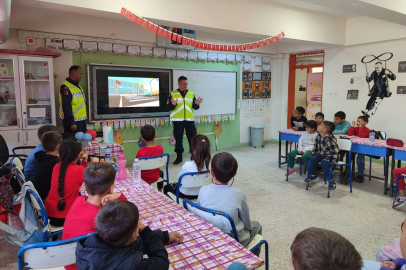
(354, 139)
(94, 149)
(204, 246)
(291, 131)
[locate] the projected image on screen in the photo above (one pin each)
(127, 92)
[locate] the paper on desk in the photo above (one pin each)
(37, 112)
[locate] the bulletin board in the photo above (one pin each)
(256, 85)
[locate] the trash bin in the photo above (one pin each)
(257, 136)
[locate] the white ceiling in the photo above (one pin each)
(303, 4)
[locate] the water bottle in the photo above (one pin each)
(136, 171)
(107, 155)
(102, 149)
(122, 172)
(372, 135)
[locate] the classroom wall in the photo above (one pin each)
(390, 114)
(228, 138)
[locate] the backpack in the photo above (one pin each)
(31, 224)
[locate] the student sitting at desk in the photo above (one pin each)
(298, 121)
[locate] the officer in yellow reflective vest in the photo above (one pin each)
(182, 103)
(72, 104)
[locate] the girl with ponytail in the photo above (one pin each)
(67, 177)
(200, 161)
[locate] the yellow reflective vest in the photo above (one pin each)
(183, 110)
(78, 102)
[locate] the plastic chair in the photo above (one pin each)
(190, 180)
(18, 166)
(155, 162)
(38, 204)
(379, 135)
(252, 246)
(49, 254)
(345, 145)
(5, 154)
(396, 187)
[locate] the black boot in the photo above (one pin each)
(178, 159)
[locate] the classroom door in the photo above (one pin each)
(314, 92)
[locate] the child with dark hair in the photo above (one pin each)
(67, 177)
(341, 125)
(319, 117)
(325, 151)
(298, 120)
(121, 242)
(363, 132)
(50, 141)
(222, 196)
(30, 166)
(320, 249)
(200, 161)
(306, 144)
(99, 183)
(150, 150)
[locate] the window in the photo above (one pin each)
(317, 70)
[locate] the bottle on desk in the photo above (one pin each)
(102, 149)
(122, 172)
(107, 155)
(136, 171)
(372, 135)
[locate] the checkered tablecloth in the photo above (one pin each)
(204, 246)
(94, 149)
(354, 139)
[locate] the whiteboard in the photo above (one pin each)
(217, 88)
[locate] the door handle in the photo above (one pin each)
(18, 137)
(18, 123)
(27, 137)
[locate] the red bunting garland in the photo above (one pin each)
(196, 43)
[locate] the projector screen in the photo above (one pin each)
(125, 92)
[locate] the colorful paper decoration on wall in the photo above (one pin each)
(197, 43)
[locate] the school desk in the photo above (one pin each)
(93, 149)
(360, 146)
(204, 246)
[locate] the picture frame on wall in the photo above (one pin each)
(352, 94)
(245, 93)
(265, 85)
(268, 93)
(247, 85)
(257, 94)
(257, 76)
(251, 93)
(244, 76)
(268, 76)
(264, 76)
(264, 94)
(249, 76)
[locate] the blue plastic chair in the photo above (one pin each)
(155, 162)
(257, 243)
(191, 180)
(44, 216)
(343, 144)
(396, 187)
(48, 254)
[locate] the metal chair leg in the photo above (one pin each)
(263, 242)
(370, 167)
(287, 172)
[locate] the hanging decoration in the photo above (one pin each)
(197, 43)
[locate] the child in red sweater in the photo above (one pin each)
(148, 136)
(99, 183)
(363, 132)
(67, 177)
